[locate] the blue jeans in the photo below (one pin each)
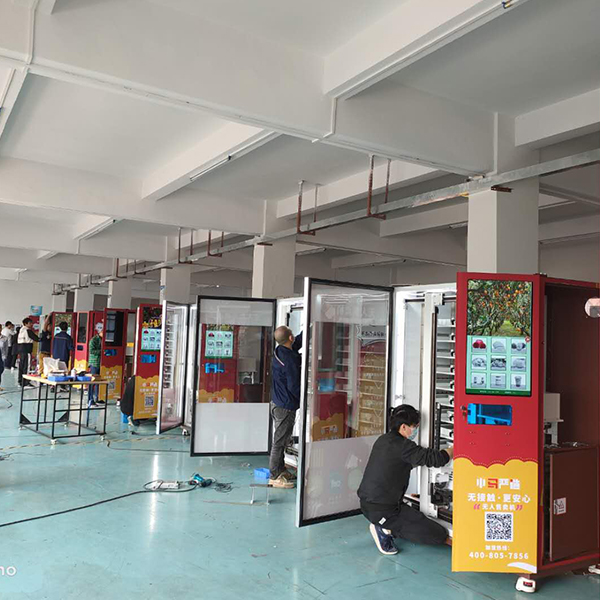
(93, 394)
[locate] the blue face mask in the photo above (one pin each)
(413, 435)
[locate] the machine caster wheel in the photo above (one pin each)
(102, 438)
(594, 570)
(53, 442)
(524, 584)
(21, 428)
(185, 432)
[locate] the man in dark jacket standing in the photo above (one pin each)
(285, 401)
(385, 481)
(62, 345)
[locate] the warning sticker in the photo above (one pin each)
(560, 506)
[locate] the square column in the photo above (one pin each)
(175, 284)
(119, 293)
(84, 299)
(503, 226)
(59, 303)
(503, 230)
(274, 269)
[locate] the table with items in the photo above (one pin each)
(63, 402)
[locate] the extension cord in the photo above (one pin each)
(165, 485)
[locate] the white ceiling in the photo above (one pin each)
(90, 129)
(139, 228)
(584, 181)
(539, 53)
(273, 171)
(315, 26)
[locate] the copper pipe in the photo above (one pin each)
(387, 181)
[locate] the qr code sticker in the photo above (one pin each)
(149, 401)
(498, 527)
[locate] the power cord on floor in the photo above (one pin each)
(158, 486)
(143, 449)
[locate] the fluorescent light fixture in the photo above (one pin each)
(211, 168)
(96, 230)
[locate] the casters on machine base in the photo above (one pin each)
(54, 442)
(594, 570)
(185, 432)
(524, 584)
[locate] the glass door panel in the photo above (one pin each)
(171, 400)
(231, 413)
(345, 394)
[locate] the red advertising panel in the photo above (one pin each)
(147, 360)
(114, 343)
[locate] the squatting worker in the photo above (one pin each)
(285, 401)
(385, 480)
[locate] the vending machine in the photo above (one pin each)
(147, 360)
(526, 427)
(114, 343)
(87, 324)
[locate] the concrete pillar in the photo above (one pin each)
(274, 269)
(119, 293)
(175, 284)
(84, 299)
(59, 303)
(503, 226)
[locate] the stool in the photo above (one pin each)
(253, 486)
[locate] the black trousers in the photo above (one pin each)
(405, 522)
(283, 426)
(23, 365)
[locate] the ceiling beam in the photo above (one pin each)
(558, 122)
(230, 141)
(572, 229)
(409, 33)
(190, 75)
(14, 258)
(9, 93)
(29, 183)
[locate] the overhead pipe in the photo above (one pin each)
(559, 165)
(209, 253)
(299, 213)
(370, 212)
(185, 262)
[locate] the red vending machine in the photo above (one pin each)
(87, 323)
(526, 427)
(147, 360)
(114, 343)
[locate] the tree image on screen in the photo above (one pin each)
(499, 308)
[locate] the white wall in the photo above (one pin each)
(16, 298)
(579, 260)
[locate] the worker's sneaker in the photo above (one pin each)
(383, 541)
(289, 475)
(281, 482)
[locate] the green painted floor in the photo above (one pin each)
(197, 545)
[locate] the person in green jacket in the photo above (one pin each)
(95, 354)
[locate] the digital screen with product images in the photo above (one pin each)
(499, 320)
(219, 343)
(151, 328)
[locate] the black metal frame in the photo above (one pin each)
(64, 418)
(300, 521)
(161, 366)
(198, 350)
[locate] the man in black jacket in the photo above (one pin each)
(25, 340)
(285, 401)
(385, 481)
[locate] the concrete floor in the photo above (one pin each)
(201, 544)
